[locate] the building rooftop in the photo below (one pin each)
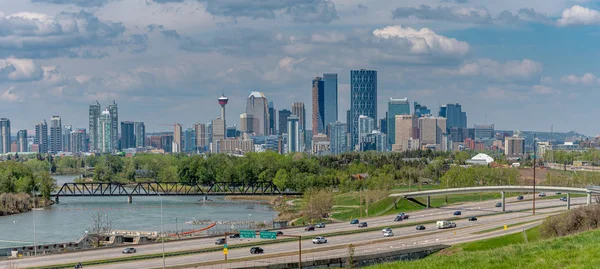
(399, 100)
(257, 94)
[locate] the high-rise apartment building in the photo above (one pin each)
(22, 141)
(406, 129)
(105, 130)
(128, 138)
(272, 119)
(66, 138)
(177, 135)
(140, 134)
(41, 137)
(257, 106)
(366, 125)
(94, 126)
(283, 116)
(201, 142)
(330, 96)
(317, 106)
(293, 135)
(299, 110)
(55, 135)
(5, 135)
(421, 110)
(338, 138)
(114, 123)
(483, 131)
(363, 98)
(78, 141)
(395, 107)
(514, 146)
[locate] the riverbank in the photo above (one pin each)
(16, 203)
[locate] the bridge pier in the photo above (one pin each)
(428, 201)
(589, 198)
(56, 200)
(129, 199)
(568, 201)
(503, 202)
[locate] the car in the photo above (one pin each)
(234, 236)
(420, 227)
(520, 197)
(558, 193)
(309, 229)
(385, 230)
(564, 199)
(319, 240)
(220, 241)
(457, 213)
(472, 219)
(401, 217)
(388, 234)
(362, 225)
(256, 250)
(320, 225)
(354, 221)
(279, 233)
(128, 250)
(398, 218)
(498, 204)
(542, 194)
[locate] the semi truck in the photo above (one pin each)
(444, 224)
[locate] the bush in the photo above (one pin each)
(574, 221)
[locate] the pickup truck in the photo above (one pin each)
(319, 240)
(444, 224)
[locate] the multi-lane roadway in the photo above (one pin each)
(465, 231)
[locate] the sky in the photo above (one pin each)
(521, 65)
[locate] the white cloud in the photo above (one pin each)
(423, 41)
(20, 70)
(11, 95)
(330, 37)
(283, 69)
(578, 15)
(488, 68)
(585, 79)
(541, 89)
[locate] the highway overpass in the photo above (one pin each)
(502, 190)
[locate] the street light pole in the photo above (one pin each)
(34, 235)
(249, 215)
(534, 158)
(162, 230)
(176, 229)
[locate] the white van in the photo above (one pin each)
(444, 224)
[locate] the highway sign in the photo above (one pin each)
(247, 234)
(505, 227)
(268, 235)
(225, 246)
(225, 251)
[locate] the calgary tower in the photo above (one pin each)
(223, 101)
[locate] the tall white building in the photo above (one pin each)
(55, 135)
(105, 132)
(257, 106)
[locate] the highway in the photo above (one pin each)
(464, 229)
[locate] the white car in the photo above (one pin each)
(542, 194)
(319, 240)
(388, 234)
(386, 230)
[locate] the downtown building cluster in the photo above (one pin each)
(404, 127)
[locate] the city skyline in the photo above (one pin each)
(153, 65)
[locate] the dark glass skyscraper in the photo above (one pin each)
(454, 115)
(330, 96)
(140, 134)
(421, 110)
(318, 110)
(127, 135)
(363, 98)
(94, 125)
(283, 117)
(55, 135)
(22, 141)
(272, 119)
(41, 136)
(395, 107)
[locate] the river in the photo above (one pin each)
(69, 220)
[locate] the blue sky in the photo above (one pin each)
(522, 65)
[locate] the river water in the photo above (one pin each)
(69, 220)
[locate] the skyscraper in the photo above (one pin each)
(363, 97)
(94, 125)
(514, 146)
(431, 130)
(454, 115)
(22, 141)
(128, 138)
(317, 105)
(272, 119)
(217, 133)
(166, 142)
(366, 125)
(348, 122)
(189, 140)
(223, 102)
(406, 130)
(330, 96)
(55, 135)
(105, 130)
(421, 110)
(4, 135)
(200, 130)
(177, 135)
(246, 123)
(283, 116)
(114, 121)
(483, 131)
(256, 105)
(66, 138)
(293, 135)
(41, 136)
(300, 112)
(140, 134)
(443, 110)
(338, 138)
(78, 141)
(395, 107)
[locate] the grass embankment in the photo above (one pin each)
(578, 251)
